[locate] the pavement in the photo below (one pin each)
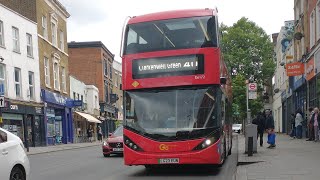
(60, 147)
(292, 159)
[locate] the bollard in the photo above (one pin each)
(250, 146)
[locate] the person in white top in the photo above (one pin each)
(315, 119)
(298, 123)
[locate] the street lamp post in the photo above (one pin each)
(247, 97)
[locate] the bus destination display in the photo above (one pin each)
(168, 66)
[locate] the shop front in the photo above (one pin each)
(26, 121)
(58, 116)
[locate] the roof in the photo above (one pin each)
(172, 14)
(89, 44)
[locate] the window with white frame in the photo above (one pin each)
(63, 79)
(44, 27)
(56, 76)
(318, 20)
(17, 81)
(61, 41)
(1, 34)
(54, 33)
(312, 29)
(31, 85)
(29, 45)
(2, 79)
(15, 38)
(47, 71)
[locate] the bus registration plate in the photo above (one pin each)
(169, 161)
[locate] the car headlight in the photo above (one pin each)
(105, 143)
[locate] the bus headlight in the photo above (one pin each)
(129, 143)
(206, 143)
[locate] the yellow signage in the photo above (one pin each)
(135, 84)
(163, 147)
(1, 120)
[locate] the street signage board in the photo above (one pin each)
(2, 102)
(252, 95)
(252, 86)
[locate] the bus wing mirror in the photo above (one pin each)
(223, 80)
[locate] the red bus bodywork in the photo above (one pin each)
(214, 70)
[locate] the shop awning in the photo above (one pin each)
(88, 117)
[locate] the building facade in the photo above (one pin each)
(86, 111)
(19, 73)
(91, 62)
(283, 44)
(54, 69)
(117, 89)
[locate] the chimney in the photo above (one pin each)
(274, 38)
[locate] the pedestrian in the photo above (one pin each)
(89, 133)
(260, 122)
(310, 125)
(293, 126)
(298, 123)
(270, 129)
(99, 133)
(316, 121)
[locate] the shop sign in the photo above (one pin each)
(38, 110)
(54, 98)
(310, 69)
(14, 107)
(295, 69)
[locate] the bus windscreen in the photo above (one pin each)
(181, 33)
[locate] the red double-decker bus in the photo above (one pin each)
(177, 90)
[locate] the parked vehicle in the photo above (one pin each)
(114, 143)
(237, 128)
(14, 162)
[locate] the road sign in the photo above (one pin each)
(252, 86)
(252, 95)
(2, 104)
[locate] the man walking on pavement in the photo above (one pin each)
(310, 125)
(270, 128)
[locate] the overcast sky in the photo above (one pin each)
(102, 20)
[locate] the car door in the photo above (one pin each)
(4, 163)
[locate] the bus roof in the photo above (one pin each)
(172, 15)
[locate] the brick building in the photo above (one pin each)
(54, 69)
(91, 62)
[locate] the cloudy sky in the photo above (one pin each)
(102, 20)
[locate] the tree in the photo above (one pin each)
(248, 52)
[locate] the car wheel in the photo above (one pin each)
(17, 174)
(106, 155)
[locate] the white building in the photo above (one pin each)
(86, 114)
(19, 69)
(283, 50)
(19, 76)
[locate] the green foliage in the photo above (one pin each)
(248, 52)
